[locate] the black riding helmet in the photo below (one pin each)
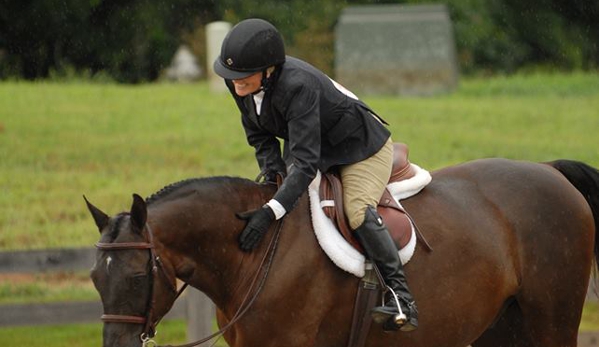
(251, 46)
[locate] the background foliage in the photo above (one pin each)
(133, 40)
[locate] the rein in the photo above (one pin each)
(266, 262)
(150, 325)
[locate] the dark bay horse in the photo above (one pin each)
(513, 247)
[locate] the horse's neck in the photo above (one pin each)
(200, 240)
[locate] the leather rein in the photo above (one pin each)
(150, 322)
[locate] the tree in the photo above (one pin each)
(132, 40)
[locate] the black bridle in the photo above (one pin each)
(149, 321)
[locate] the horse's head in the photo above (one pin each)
(135, 286)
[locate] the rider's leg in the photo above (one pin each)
(363, 186)
(381, 249)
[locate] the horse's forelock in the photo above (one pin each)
(113, 233)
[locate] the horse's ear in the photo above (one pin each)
(100, 217)
(139, 212)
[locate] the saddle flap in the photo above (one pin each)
(397, 223)
(331, 195)
(394, 217)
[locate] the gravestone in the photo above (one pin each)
(184, 66)
(215, 34)
(396, 50)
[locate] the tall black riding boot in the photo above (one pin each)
(380, 248)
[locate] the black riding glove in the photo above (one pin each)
(270, 176)
(258, 222)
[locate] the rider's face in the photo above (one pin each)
(248, 85)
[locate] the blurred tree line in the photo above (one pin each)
(134, 40)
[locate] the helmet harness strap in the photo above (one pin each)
(265, 83)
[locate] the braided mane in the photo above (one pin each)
(166, 190)
(170, 188)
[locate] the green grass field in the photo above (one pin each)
(59, 141)
(81, 335)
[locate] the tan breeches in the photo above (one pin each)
(364, 183)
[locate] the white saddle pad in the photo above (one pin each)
(341, 252)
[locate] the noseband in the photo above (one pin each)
(149, 320)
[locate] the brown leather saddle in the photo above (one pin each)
(395, 218)
(398, 222)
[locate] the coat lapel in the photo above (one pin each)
(248, 102)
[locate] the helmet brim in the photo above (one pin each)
(223, 71)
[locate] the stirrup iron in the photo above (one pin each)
(400, 318)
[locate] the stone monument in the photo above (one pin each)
(184, 67)
(215, 34)
(396, 50)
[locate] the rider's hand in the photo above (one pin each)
(258, 222)
(272, 176)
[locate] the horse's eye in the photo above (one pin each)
(137, 282)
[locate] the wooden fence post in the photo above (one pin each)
(200, 314)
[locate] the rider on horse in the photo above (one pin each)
(324, 127)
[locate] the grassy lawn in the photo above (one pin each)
(81, 335)
(60, 141)
(590, 317)
(43, 288)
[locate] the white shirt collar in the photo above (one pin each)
(258, 97)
